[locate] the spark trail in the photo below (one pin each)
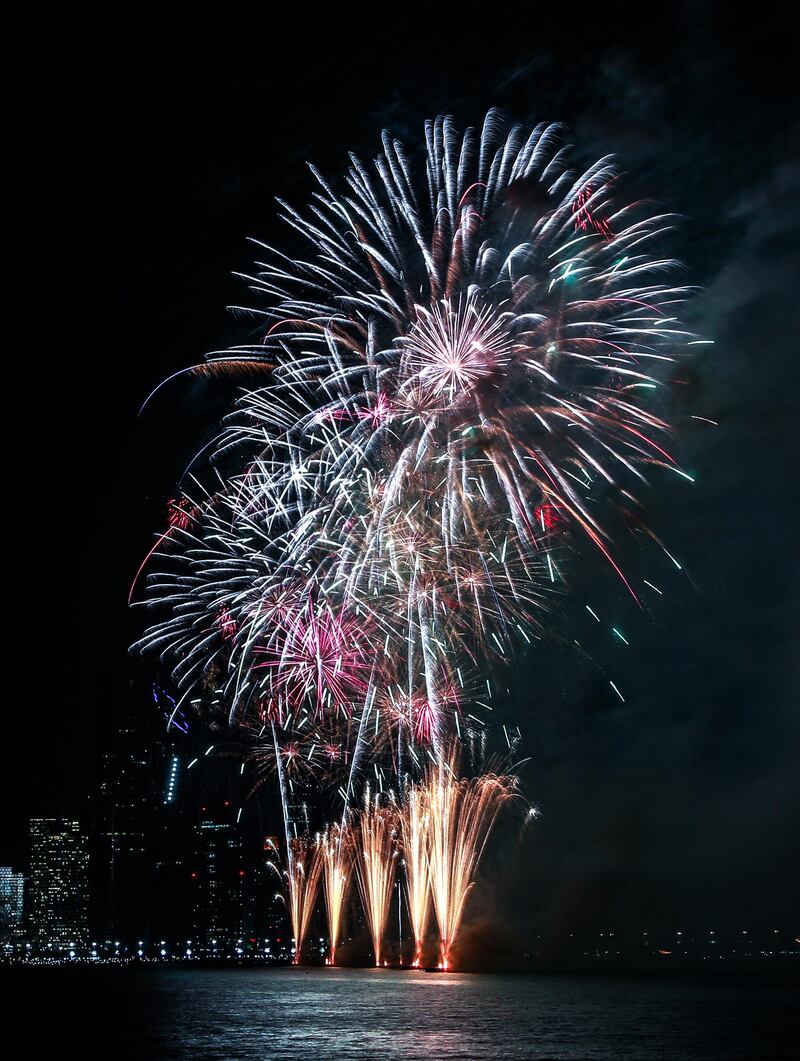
(376, 860)
(415, 832)
(337, 856)
(461, 815)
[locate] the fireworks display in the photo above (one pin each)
(455, 390)
(336, 848)
(415, 822)
(460, 817)
(302, 878)
(376, 858)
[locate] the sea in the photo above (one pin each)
(254, 1014)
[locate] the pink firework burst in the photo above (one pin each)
(319, 657)
(226, 624)
(420, 713)
(378, 412)
(424, 719)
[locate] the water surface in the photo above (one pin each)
(317, 1014)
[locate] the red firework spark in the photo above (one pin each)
(177, 514)
(547, 515)
(586, 218)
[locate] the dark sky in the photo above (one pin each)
(140, 169)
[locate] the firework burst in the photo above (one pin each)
(336, 847)
(376, 861)
(449, 377)
(454, 385)
(461, 814)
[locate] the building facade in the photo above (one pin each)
(12, 891)
(59, 885)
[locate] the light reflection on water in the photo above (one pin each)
(317, 1014)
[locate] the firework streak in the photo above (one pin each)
(336, 849)
(461, 815)
(456, 389)
(375, 864)
(415, 832)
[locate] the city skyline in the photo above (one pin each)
(164, 870)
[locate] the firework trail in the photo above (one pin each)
(304, 868)
(461, 815)
(335, 846)
(376, 860)
(303, 863)
(415, 832)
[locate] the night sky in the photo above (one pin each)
(138, 176)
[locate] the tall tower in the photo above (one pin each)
(11, 898)
(121, 855)
(59, 885)
(222, 880)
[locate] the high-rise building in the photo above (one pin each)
(221, 881)
(12, 889)
(59, 885)
(121, 873)
(173, 855)
(143, 842)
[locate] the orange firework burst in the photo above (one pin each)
(460, 816)
(336, 852)
(302, 879)
(375, 865)
(415, 830)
